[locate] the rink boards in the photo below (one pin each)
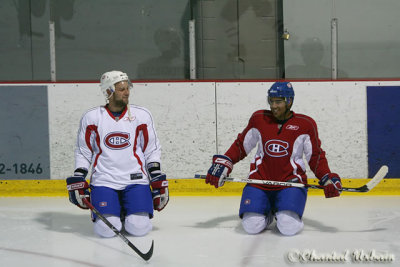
(195, 120)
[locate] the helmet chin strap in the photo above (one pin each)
(111, 92)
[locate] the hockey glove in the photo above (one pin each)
(332, 185)
(78, 188)
(159, 190)
(220, 169)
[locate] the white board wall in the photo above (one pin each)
(194, 120)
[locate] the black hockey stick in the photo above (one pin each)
(145, 256)
(362, 189)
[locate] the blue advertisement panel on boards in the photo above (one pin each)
(383, 112)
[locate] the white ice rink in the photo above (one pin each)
(200, 231)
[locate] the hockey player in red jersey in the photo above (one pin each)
(282, 138)
(120, 143)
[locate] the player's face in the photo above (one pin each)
(121, 94)
(278, 107)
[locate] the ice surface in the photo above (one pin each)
(199, 231)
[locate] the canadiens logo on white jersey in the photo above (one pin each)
(117, 140)
(276, 148)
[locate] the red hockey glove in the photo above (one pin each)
(219, 170)
(332, 185)
(78, 188)
(159, 186)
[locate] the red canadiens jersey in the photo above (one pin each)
(281, 149)
(118, 149)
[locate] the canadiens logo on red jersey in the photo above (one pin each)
(276, 148)
(117, 140)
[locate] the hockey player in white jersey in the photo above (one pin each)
(119, 142)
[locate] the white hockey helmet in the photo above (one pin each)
(110, 78)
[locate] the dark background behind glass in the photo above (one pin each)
(235, 39)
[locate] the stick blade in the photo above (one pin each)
(377, 178)
(147, 256)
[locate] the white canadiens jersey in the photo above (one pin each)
(117, 148)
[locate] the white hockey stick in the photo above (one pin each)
(362, 189)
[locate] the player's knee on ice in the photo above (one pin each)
(138, 224)
(101, 229)
(288, 222)
(254, 223)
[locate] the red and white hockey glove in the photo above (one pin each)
(78, 188)
(159, 190)
(332, 185)
(220, 169)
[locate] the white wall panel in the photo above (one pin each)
(184, 115)
(339, 109)
(67, 103)
(235, 104)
